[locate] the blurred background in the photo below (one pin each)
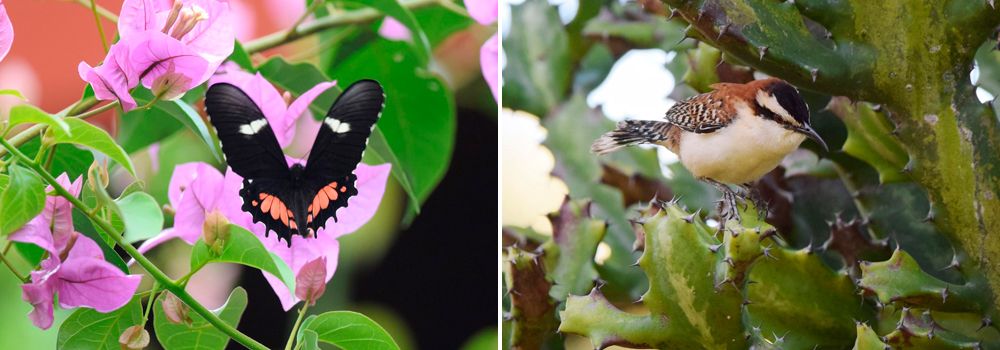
(424, 277)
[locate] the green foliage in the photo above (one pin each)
(347, 330)
(242, 247)
(22, 199)
(87, 135)
(198, 334)
(183, 112)
(421, 142)
(537, 49)
(89, 329)
(29, 114)
(142, 215)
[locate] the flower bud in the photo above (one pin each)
(310, 282)
(175, 310)
(133, 338)
(215, 230)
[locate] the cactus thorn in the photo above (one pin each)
(729, 260)
(722, 31)
(761, 52)
(749, 282)
(814, 72)
(673, 13)
(767, 252)
(747, 302)
(715, 247)
(991, 3)
(770, 232)
(954, 261)
(944, 295)
(640, 300)
(986, 322)
(690, 218)
(809, 248)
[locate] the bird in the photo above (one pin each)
(732, 135)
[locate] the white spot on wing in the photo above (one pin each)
(337, 126)
(253, 127)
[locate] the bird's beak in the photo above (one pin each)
(810, 133)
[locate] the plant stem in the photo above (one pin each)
(96, 111)
(100, 28)
(149, 302)
(298, 321)
(24, 279)
(155, 272)
(334, 20)
(77, 111)
(100, 10)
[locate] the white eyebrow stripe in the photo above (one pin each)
(771, 103)
(337, 126)
(253, 127)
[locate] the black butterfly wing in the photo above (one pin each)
(339, 144)
(253, 152)
(248, 141)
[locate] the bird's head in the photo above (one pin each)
(780, 102)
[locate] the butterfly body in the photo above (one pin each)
(296, 199)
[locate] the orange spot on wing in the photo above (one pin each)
(330, 192)
(291, 225)
(266, 205)
(264, 195)
(255, 202)
(343, 188)
(276, 209)
(284, 217)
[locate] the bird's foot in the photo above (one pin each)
(727, 206)
(753, 196)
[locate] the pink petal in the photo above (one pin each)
(360, 208)
(6, 32)
(113, 79)
(40, 298)
(489, 58)
(483, 11)
(181, 179)
(212, 38)
(36, 232)
(166, 63)
(207, 187)
(310, 282)
(189, 218)
(84, 247)
(393, 30)
(96, 284)
(302, 251)
(299, 108)
(139, 16)
(230, 202)
(60, 211)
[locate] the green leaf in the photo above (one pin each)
(241, 57)
(21, 114)
(83, 225)
(89, 329)
(15, 93)
(142, 215)
(350, 331)
(68, 159)
(199, 334)
(186, 114)
(538, 63)
(419, 117)
(87, 135)
(569, 255)
(242, 247)
(440, 23)
(870, 138)
(308, 340)
(421, 46)
(141, 128)
(22, 200)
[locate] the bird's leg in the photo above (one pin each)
(753, 195)
(727, 204)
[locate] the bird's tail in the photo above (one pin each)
(631, 132)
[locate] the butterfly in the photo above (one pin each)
(301, 198)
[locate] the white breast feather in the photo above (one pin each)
(740, 152)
